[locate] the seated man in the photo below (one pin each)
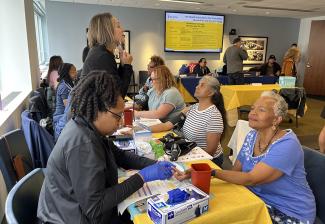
(271, 67)
(201, 68)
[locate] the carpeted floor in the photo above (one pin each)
(308, 129)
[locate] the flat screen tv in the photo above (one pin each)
(193, 32)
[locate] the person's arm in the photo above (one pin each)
(321, 140)
(225, 57)
(260, 174)
(162, 111)
(208, 70)
(213, 140)
(87, 170)
(162, 127)
(277, 69)
(243, 54)
(237, 166)
(129, 160)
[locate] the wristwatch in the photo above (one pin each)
(213, 173)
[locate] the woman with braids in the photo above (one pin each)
(205, 121)
(81, 182)
(67, 75)
(105, 34)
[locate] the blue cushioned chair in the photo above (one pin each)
(22, 200)
(6, 166)
(315, 166)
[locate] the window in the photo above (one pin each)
(41, 31)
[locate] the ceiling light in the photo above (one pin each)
(234, 10)
(267, 13)
(180, 1)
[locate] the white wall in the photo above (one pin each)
(18, 57)
(67, 23)
(303, 41)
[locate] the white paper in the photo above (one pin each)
(196, 153)
(150, 189)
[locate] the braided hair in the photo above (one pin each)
(96, 92)
(64, 70)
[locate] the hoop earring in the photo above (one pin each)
(273, 127)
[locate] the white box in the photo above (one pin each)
(160, 212)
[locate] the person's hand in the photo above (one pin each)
(136, 114)
(126, 58)
(145, 88)
(179, 175)
(158, 171)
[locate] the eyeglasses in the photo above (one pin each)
(117, 116)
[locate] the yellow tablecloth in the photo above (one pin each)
(229, 203)
(238, 95)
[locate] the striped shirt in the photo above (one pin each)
(199, 123)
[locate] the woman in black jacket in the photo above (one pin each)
(81, 182)
(105, 34)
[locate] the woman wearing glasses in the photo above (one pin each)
(81, 182)
(165, 101)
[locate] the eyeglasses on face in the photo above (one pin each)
(117, 116)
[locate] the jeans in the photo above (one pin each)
(236, 79)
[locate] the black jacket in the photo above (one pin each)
(201, 71)
(276, 67)
(99, 58)
(81, 182)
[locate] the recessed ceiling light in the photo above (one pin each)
(267, 13)
(185, 2)
(234, 10)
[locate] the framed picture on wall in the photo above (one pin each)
(125, 46)
(256, 49)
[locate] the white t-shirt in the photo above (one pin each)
(199, 123)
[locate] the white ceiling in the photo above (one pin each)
(273, 8)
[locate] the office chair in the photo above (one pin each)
(314, 166)
(22, 200)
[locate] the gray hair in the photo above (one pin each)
(212, 82)
(280, 107)
(101, 31)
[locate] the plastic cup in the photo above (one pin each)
(201, 176)
(128, 117)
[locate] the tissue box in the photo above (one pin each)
(287, 81)
(160, 212)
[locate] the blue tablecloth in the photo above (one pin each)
(190, 83)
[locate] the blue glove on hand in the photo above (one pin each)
(157, 171)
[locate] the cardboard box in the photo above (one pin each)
(161, 212)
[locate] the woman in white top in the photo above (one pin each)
(165, 101)
(204, 123)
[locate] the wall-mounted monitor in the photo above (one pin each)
(193, 32)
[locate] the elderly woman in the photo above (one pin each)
(204, 122)
(165, 101)
(271, 164)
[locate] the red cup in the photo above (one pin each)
(128, 117)
(201, 176)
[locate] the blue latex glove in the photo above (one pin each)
(157, 171)
(177, 196)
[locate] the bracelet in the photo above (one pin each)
(213, 173)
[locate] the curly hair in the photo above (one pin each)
(165, 77)
(96, 92)
(157, 60)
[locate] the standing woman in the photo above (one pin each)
(289, 62)
(52, 73)
(67, 75)
(105, 34)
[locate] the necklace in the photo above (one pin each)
(262, 149)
